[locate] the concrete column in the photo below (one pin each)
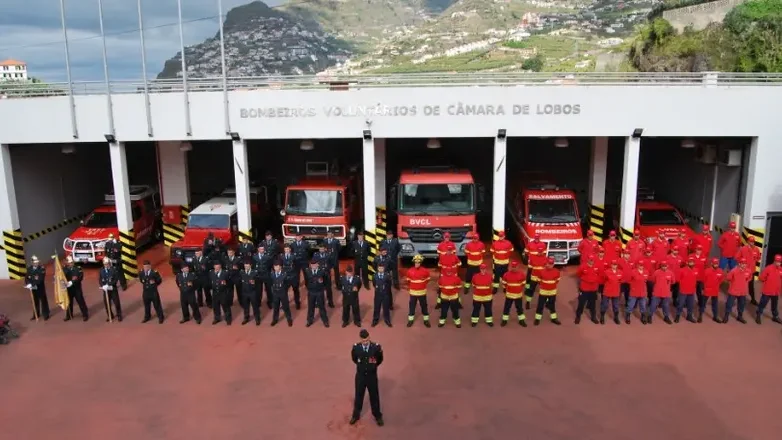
(370, 198)
(763, 168)
(242, 182)
(174, 189)
(380, 190)
(499, 172)
(629, 185)
(598, 167)
(119, 176)
(12, 261)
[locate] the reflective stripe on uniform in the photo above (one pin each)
(548, 292)
(481, 298)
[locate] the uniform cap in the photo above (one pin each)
(34, 259)
(648, 250)
(664, 263)
(111, 235)
(483, 266)
(360, 232)
(501, 234)
(691, 260)
(514, 264)
(390, 232)
(614, 262)
(418, 258)
(591, 260)
(742, 261)
(637, 232)
(248, 261)
(590, 233)
(673, 249)
(601, 250)
(751, 239)
(537, 235)
(732, 225)
(777, 257)
(475, 236)
(447, 235)
(698, 248)
(550, 261)
(277, 263)
(363, 334)
(314, 261)
(612, 234)
(382, 249)
(706, 228)
(349, 269)
(715, 261)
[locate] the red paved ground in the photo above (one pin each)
(132, 381)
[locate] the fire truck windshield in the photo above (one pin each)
(101, 220)
(656, 217)
(438, 198)
(208, 221)
(314, 202)
(552, 210)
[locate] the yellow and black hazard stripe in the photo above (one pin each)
(13, 245)
(53, 228)
(625, 235)
(759, 234)
(129, 259)
(371, 238)
(495, 234)
(246, 235)
(185, 211)
(701, 221)
(173, 232)
(597, 214)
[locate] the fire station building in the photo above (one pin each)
(728, 125)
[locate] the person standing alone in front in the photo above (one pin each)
(150, 280)
(367, 356)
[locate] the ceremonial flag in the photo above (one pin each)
(60, 285)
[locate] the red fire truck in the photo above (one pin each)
(653, 216)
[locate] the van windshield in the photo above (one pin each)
(208, 221)
(314, 202)
(101, 220)
(437, 198)
(552, 210)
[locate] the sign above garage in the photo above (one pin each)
(458, 109)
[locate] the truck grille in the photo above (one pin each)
(314, 230)
(83, 246)
(557, 245)
(435, 235)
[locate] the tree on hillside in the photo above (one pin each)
(756, 30)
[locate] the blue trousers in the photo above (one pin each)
(715, 302)
(632, 301)
(614, 304)
(730, 263)
(741, 302)
(685, 301)
(764, 300)
(664, 303)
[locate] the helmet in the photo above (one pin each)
(418, 258)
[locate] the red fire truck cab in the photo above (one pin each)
(431, 201)
(218, 216)
(654, 216)
(321, 203)
(86, 244)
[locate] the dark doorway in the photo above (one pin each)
(773, 237)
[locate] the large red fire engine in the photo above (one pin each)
(654, 216)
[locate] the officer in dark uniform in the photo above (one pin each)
(221, 293)
(301, 252)
(233, 265)
(262, 263)
(113, 250)
(35, 280)
(384, 260)
(382, 282)
(367, 356)
(392, 244)
(250, 294)
(315, 279)
(361, 258)
(108, 279)
(324, 263)
(333, 248)
(74, 276)
(202, 267)
(291, 273)
(213, 248)
(349, 285)
(279, 289)
(271, 245)
(246, 249)
(150, 279)
(187, 282)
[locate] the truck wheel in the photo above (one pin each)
(157, 234)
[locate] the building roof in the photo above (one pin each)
(217, 205)
(11, 62)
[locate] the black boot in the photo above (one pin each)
(700, 318)
(777, 320)
(616, 319)
(757, 318)
(602, 318)
(504, 323)
(556, 321)
(245, 320)
(523, 322)
(741, 319)
(537, 322)
(676, 319)
(578, 320)
(667, 320)
(409, 323)
(627, 319)
(427, 324)
(725, 318)
(691, 319)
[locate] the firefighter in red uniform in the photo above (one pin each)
(772, 284)
(682, 244)
(660, 247)
(663, 279)
(650, 266)
(713, 277)
(513, 285)
(450, 285)
(446, 245)
(475, 251)
(500, 254)
(688, 280)
(447, 261)
(704, 240)
(700, 270)
(636, 246)
(418, 279)
(536, 260)
(482, 296)
(602, 264)
(626, 265)
(612, 280)
(638, 292)
(675, 263)
(588, 246)
(612, 247)
(729, 244)
(738, 286)
(589, 281)
(547, 298)
(751, 253)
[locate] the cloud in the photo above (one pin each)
(32, 32)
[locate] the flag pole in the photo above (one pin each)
(108, 304)
(72, 102)
(32, 300)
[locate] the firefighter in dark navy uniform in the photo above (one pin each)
(150, 280)
(301, 252)
(382, 282)
(349, 285)
(271, 245)
(221, 289)
(385, 261)
(334, 248)
(361, 258)
(250, 294)
(35, 281)
(280, 294)
(246, 248)
(187, 282)
(392, 244)
(262, 263)
(233, 265)
(202, 267)
(113, 250)
(315, 279)
(324, 263)
(289, 267)
(367, 356)
(108, 278)
(75, 276)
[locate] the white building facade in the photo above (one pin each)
(12, 70)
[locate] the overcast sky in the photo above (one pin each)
(31, 31)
